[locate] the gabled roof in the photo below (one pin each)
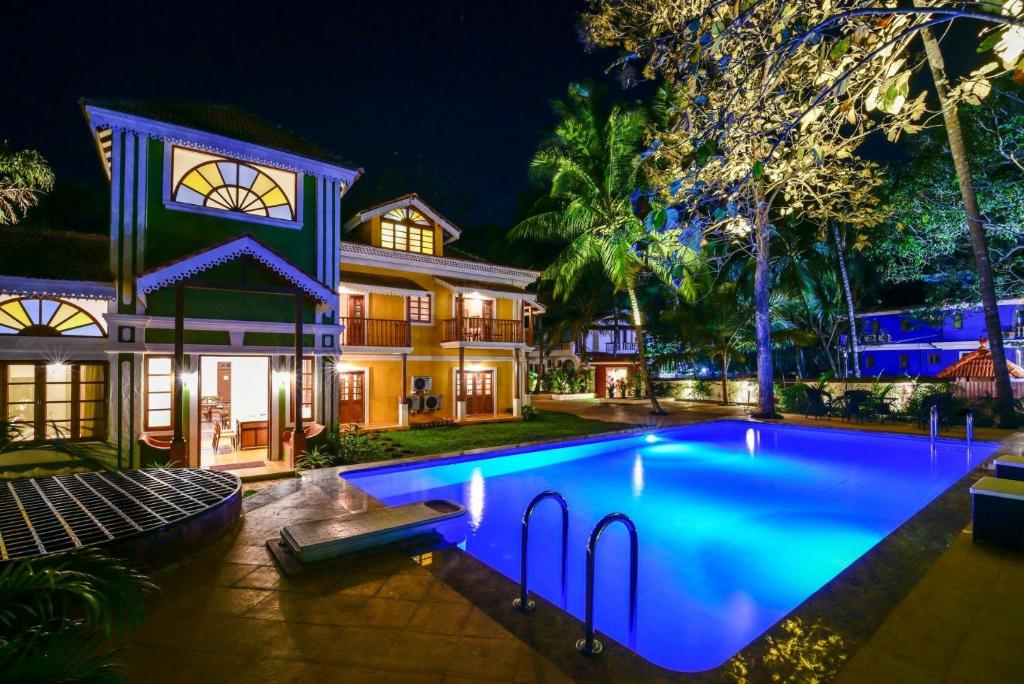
(405, 201)
(978, 365)
(244, 245)
(226, 120)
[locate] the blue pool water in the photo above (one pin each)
(738, 523)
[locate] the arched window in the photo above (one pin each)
(44, 317)
(407, 230)
(213, 182)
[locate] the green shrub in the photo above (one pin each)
(792, 398)
(528, 412)
(315, 457)
(701, 389)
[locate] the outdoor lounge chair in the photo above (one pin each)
(999, 511)
(1010, 467)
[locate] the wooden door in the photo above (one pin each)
(356, 332)
(224, 380)
(351, 397)
(479, 393)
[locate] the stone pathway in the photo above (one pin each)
(229, 615)
(960, 623)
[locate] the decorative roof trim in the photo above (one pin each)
(404, 202)
(368, 255)
(496, 293)
(360, 288)
(17, 285)
(245, 245)
(100, 118)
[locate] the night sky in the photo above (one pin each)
(448, 98)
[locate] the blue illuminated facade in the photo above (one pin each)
(910, 342)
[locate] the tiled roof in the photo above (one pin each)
(978, 364)
(220, 119)
(54, 254)
(376, 280)
(465, 284)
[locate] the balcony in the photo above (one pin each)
(620, 347)
(500, 330)
(375, 332)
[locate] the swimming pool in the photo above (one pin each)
(738, 522)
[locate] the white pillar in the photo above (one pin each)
(403, 412)
(460, 410)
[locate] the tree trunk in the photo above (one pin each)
(762, 314)
(848, 295)
(725, 379)
(641, 353)
(975, 228)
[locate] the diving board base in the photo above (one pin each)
(320, 540)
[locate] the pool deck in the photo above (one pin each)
(229, 614)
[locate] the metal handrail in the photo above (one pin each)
(523, 602)
(589, 645)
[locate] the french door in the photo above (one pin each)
(479, 392)
(54, 401)
(351, 397)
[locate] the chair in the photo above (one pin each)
(817, 403)
(856, 404)
(218, 433)
(946, 404)
(316, 435)
(154, 449)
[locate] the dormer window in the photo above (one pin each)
(407, 230)
(216, 183)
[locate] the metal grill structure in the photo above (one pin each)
(58, 513)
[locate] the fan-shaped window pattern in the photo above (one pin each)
(47, 318)
(407, 230)
(218, 183)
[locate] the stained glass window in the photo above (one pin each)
(213, 182)
(407, 230)
(46, 318)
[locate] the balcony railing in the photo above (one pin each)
(620, 347)
(375, 332)
(483, 330)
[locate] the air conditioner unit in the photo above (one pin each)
(885, 337)
(432, 402)
(869, 338)
(414, 402)
(421, 383)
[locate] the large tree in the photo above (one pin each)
(745, 149)
(592, 165)
(23, 176)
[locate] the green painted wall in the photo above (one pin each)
(173, 234)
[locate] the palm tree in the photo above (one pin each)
(593, 166)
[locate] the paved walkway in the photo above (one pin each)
(229, 615)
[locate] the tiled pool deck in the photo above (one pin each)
(228, 615)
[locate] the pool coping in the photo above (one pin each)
(852, 603)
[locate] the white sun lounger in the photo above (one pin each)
(318, 540)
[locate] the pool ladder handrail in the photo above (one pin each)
(588, 645)
(523, 602)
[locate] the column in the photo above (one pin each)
(298, 435)
(460, 382)
(403, 407)
(179, 450)
(516, 384)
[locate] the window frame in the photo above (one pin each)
(40, 400)
(427, 234)
(429, 320)
(147, 426)
(173, 205)
(308, 385)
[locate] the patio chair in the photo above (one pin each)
(856, 404)
(316, 436)
(817, 403)
(946, 404)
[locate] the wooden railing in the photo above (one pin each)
(620, 347)
(375, 332)
(483, 330)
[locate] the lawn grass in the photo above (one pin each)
(545, 425)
